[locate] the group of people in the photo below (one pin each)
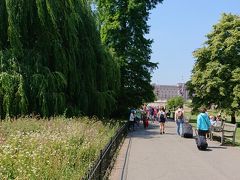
(216, 121)
(204, 122)
(207, 123)
(146, 114)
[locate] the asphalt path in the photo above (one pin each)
(149, 155)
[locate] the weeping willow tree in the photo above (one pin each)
(123, 26)
(52, 60)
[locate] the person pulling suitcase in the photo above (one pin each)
(203, 126)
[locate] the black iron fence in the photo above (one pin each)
(101, 169)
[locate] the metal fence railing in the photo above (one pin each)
(101, 169)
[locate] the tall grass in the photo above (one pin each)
(51, 149)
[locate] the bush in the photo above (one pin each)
(175, 102)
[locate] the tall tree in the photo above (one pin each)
(215, 76)
(52, 60)
(123, 26)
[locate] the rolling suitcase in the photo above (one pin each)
(201, 142)
(187, 130)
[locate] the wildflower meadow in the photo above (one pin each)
(58, 148)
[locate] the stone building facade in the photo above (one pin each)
(165, 92)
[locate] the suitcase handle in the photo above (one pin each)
(196, 132)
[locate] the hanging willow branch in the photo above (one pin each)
(52, 60)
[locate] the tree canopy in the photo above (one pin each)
(123, 26)
(52, 60)
(175, 102)
(216, 74)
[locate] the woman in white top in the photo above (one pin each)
(131, 120)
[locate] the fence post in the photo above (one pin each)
(89, 171)
(100, 166)
(98, 171)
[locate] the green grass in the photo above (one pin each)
(58, 148)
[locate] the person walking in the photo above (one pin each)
(162, 119)
(145, 120)
(131, 120)
(179, 119)
(203, 122)
(138, 116)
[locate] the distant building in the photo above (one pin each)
(165, 92)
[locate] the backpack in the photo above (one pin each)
(162, 116)
(180, 115)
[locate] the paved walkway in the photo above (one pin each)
(148, 155)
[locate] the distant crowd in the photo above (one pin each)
(147, 114)
(157, 114)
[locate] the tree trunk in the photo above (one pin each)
(233, 118)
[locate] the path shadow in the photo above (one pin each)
(153, 126)
(226, 142)
(207, 149)
(217, 147)
(145, 134)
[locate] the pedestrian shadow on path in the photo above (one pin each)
(145, 134)
(217, 147)
(210, 148)
(152, 131)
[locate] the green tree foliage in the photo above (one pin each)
(216, 74)
(175, 102)
(123, 26)
(52, 60)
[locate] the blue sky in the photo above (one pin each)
(178, 28)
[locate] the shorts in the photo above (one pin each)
(162, 120)
(202, 132)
